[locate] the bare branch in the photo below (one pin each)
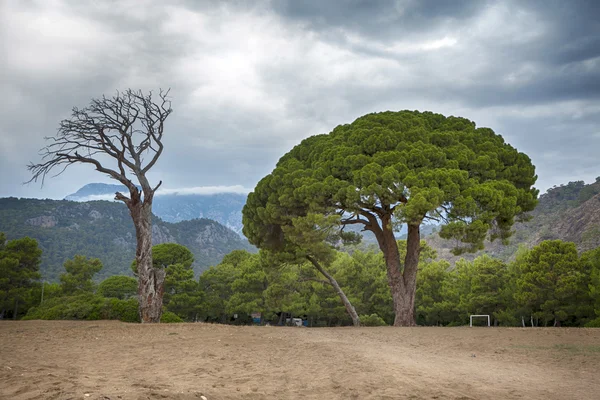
(123, 198)
(124, 127)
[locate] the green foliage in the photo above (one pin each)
(85, 306)
(51, 290)
(182, 295)
(216, 283)
(437, 296)
(104, 230)
(595, 323)
(591, 266)
(118, 286)
(166, 254)
(169, 317)
(417, 163)
(181, 292)
(548, 283)
(372, 320)
(80, 271)
(364, 279)
(19, 274)
(248, 287)
(483, 286)
(550, 280)
(126, 310)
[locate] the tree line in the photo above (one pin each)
(548, 285)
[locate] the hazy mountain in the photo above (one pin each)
(104, 229)
(225, 208)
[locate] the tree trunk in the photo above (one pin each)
(150, 280)
(349, 307)
(402, 281)
(16, 309)
(556, 323)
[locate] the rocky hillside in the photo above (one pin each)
(568, 212)
(104, 229)
(225, 208)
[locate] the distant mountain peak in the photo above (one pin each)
(95, 190)
(175, 205)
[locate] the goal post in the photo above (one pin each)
(482, 316)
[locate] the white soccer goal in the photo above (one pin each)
(471, 319)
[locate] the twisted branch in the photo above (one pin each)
(125, 127)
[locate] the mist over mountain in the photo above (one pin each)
(181, 205)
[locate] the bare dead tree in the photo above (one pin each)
(121, 137)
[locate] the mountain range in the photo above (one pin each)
(225, 208)
(104, 229)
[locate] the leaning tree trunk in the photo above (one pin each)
(402, 281)
(150, 280)
(349, 307)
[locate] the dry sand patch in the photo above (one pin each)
(114, 360)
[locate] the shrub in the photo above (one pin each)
(86, 307)
(372, 320)
(123, 310)
(83, 306)
(595, 323)
(169, 317)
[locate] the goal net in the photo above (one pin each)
(479, 316)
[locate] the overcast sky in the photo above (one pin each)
(248, 83)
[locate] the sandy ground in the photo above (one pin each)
(113, 360)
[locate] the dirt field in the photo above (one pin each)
(113, 360)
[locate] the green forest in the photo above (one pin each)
(548, 285)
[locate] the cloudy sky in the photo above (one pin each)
(249, 82)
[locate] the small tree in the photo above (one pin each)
(483, 286)
(550, 281)
(19, 271)
(591, 259)
(80, 271)
(115, 135)
(166, 254)
(215, 284)
(298, 239)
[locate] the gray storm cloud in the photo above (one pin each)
(250, 82)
